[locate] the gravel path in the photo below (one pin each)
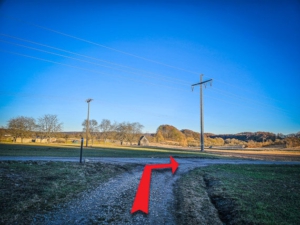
(111, 202)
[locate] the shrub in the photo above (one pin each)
(292, 142)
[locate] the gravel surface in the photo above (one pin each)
(111, 202)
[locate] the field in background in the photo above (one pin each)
(55, 150)
(242, 194)
(260, 154)
(73, 150)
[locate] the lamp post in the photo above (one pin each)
(87, 121)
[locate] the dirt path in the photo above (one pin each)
(111, 203)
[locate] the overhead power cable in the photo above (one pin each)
(93, 58)
(99, 45)
(113, 49)
(93, 71)
(85, 61)
(87, 41)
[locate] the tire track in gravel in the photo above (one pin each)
(111, 202)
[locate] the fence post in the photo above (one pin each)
(81, 150)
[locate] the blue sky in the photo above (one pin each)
(138, 59)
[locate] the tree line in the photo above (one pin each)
(123, 132)
(27, 127)
(49, 126)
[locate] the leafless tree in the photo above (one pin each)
(21, 127)
(93, 128)
(106, 128)
(134, 131)
(121, 130)
(128, 132)
(48, 125)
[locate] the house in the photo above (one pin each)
(143, 141)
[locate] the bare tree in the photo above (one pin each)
(134, 131)
(106, 128)
(128, 132)
(121, 130)
(93, 128)
(21, 127)
(48, 125)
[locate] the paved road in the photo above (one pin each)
(111, 203)
(194, 162)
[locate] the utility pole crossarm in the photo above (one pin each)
(193, 85)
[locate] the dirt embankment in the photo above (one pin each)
(193, 203)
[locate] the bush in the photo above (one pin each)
(292, 142)
(59, 141)
(253, 144)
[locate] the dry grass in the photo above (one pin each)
(57, 150)
(269, 154)
(27, 188)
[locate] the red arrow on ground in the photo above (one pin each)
(141, 201)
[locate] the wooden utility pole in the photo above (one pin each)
(201, 111)
(87, 121)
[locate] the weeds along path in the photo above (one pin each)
(111, 202)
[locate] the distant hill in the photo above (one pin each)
(168, 133)
(247, 136)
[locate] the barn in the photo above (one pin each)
(143, 141)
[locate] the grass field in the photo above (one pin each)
(245, 194)
(27, 188)
(74, 151)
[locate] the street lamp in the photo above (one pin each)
(87, 121)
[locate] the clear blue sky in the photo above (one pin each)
(138, 59)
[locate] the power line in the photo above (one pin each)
(129, 67)
(85, 61)
(76, 67)
(89, 57)
(100, 45)
(182, 81)
(87, 41)
(96, 102)
(93, 71)
(123, 52)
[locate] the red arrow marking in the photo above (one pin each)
(141, 201)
